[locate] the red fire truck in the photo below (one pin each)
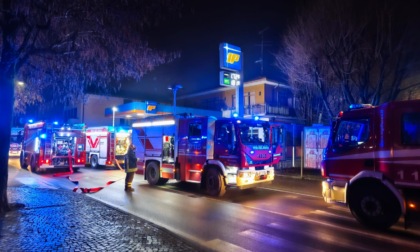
(217, 153)
(372, 162)
(106, 144)
(45, 146)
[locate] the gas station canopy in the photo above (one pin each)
(137, 110)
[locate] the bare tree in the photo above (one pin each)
(67, 46)
(349, 52)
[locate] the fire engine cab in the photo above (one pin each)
(217, 153)
(47, 146)
(106, 145)
(372, 162)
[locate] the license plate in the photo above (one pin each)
(260, 175)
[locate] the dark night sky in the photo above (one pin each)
(198, 35)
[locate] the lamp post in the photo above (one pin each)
(175, 88)
(114, 109)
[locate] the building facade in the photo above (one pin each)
(267, 99)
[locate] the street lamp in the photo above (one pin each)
(114, 109)
(175, 88)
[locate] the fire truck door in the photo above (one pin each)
(277, 143)
(225, 144)
(192, 152)
(352, 147)
(103, 148)
(405, 167)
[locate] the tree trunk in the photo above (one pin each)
(6, 104)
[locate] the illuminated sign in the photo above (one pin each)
(230, 57)
(151, 107)
(229, 79)
(155, 123)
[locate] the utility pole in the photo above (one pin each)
(261, 60)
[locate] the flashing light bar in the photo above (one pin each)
(36, 125)
(359, 106)
(156, 123)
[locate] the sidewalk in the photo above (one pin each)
(60, 220)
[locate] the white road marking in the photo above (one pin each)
(321, 212)
(291, 192)
(360, 232)
(274, 241)
(220, 245)
(335, 240)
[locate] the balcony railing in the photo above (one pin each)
(261, 109)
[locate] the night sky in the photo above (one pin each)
(197, 35)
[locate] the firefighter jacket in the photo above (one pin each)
(131, 161)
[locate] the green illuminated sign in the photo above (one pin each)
(229, 78)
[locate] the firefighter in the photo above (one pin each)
(348, 133)
(130, 167)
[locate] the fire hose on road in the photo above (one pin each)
(84, 189)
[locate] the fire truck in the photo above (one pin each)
(372, 163)
(47, 146)
(15, 142)
(216, 153)
(106, 145)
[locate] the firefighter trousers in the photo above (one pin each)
(129, 180)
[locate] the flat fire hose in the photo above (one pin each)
(83, 189)
(94, 189)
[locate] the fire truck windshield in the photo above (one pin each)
(253, 132)
(352, 132)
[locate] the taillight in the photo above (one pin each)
(323, 171)
(244, 160)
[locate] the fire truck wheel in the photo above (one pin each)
(373, 205)
(152, 173)
(214, 183)
(34, 166)
(94, 161)
(23, 165)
